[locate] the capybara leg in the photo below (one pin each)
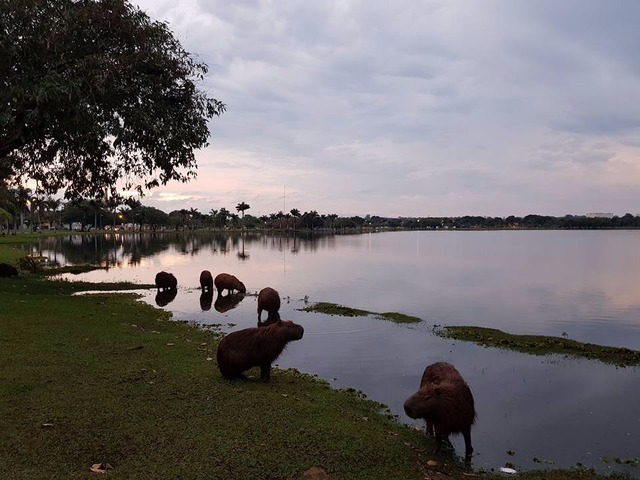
(259, 317)
(467, 442)
(430, 428)
(265, 372)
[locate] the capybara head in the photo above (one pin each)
(252, 347)
(269, 300)
(206, 280)
(166, 280)
(440, 372)
(8, 271)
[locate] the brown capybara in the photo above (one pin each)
(269, 300)
(226, 281)
(445, 402)
(166, 281)
(7, 270)
(253, 347)
(206, 281)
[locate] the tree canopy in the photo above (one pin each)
(93, 92)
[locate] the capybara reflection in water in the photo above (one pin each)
(206, 281)
(165, 297)
(255, 347)
(206, 300)
(445, 402)
(226, 281)
(166, 281)
(224, 303)
(7, 270)
(269, 300)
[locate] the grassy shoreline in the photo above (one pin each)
(104, 378)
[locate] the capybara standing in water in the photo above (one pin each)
(253, 347)
(445, 402)
(206, 281)
(269, 300)
(166, 281)
(7, 270)
(226, 281)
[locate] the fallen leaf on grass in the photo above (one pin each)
(170, 344)
(100, 467)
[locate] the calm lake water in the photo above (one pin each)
(546, 411)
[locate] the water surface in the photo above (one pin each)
(581, 284)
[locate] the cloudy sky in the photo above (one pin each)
(415, 107)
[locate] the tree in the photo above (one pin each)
(94, 91)
(241, 207)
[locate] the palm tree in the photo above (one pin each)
(212, 214)
(241, 207)
(295, 213)
(5, 216)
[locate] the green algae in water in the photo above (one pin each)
(541, 345)
(342, 311)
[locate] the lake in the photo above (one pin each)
(533, 411)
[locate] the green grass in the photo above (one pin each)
(87, 379)
(541, 345)
(122, 384)
(340, 310)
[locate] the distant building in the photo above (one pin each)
(599, 215)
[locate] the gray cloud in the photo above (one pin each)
(420, 108)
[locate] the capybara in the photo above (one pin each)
(7, 270)
(253, 347)
(445, 402)
(206, 281)
(226, 281)
(166, 280)
(269, 300)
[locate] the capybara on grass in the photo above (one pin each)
(445, 402)
(7, 270)
(253, 347)
(166, 281)
(206, 281)
(226, 281)
(269, 300)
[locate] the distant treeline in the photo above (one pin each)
(20, 208)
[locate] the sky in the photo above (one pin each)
(414, 107)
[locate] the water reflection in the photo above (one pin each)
(206, 299)
(224, 303)
(165, 297)
(579, 282)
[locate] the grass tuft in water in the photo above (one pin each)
(540, 344)
(342, 311)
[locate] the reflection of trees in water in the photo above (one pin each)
(115, 249)
(105, 249)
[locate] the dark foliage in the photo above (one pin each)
(94, 91)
